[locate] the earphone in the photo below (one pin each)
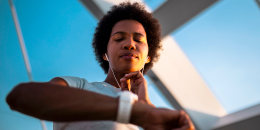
(106, 57)
(112, 71)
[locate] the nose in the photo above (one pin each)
(129, 45)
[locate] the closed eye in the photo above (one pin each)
(137, 40)
(119, 39)
(140, 39)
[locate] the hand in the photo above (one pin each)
(151, 118)
(136, 83)
(165, 119)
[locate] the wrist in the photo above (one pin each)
(139, 112)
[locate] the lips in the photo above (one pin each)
(129, 55)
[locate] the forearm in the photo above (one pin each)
(56, 103)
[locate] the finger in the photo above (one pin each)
(134, 75)
(185, 121)
(190, 124)
(174, 115)
(124, 85)
(178, 121)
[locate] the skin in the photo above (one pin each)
(56, 101)
(127, 36)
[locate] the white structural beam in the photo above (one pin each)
(247, 119)
(174, 13)
(189, 90)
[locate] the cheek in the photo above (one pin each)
(108, 44)
(112, 49)
(145, 49)
(109, 47)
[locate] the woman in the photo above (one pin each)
(126, 44)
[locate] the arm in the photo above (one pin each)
(54, 102)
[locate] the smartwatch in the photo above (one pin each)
(126, 101)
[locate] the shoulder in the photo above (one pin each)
(70, 81)
(58, 81)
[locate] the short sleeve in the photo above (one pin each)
(75, 82)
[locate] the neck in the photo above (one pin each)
(111, 79)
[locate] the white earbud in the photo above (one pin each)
(112, 71)
(106, 56)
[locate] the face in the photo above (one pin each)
(127, 48)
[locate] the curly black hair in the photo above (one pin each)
(125, 11)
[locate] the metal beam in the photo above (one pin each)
(166, 93)
(174, 103)
(93, 8)
(175, 13)
(189, 91)
(258, 3)
(246, 119)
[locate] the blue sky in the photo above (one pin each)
(223, 44)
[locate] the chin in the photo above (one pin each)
(127, 68)
(130, 70)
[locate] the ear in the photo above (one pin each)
(148, 59)
(104, 57)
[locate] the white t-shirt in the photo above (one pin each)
(101, 88)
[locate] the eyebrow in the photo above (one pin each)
(124, 33)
